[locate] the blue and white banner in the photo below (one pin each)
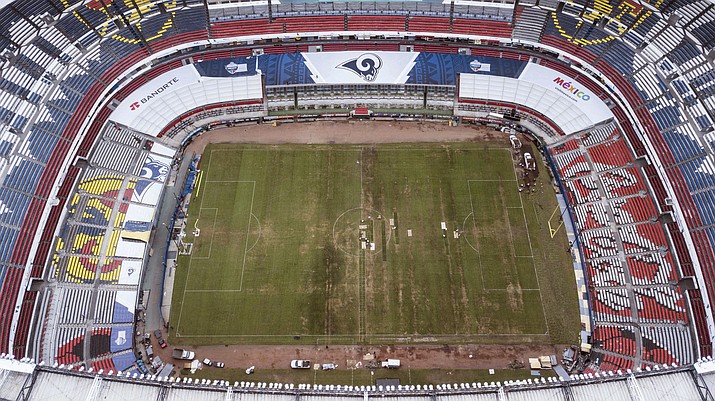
(130, 272)
(122, 339)
(360, 67)
(563, 100)
(124, 307)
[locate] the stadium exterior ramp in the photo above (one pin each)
(29, 382)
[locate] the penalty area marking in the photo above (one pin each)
(251, 216)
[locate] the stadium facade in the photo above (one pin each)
(620, 93)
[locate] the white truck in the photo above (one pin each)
(179, 353)
(391, 363)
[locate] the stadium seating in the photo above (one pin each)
(606, 272)
(649, 273)
(616, 339)
(46, 121)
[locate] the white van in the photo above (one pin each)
(391, 363)
(529, 162)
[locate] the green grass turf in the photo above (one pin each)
(278, 254)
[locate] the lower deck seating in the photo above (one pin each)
(667, 345)
(617, 339)
(649, 273)
(70, 345)
(606, 272)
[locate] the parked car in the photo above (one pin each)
(219, 364)
(157, 334)
(142, 368)
(208, 362)
(162, 343)
(328, 366)
(299, 364)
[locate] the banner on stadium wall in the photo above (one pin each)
(360, 67)
(122, 338)
(569, 88)
(130, 272)
(124, 306)
(137, 230)
(139, 213)
(142, 98)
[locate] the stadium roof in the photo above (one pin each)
(42, 383)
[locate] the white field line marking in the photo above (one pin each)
(378, 335)
(259, 232)
(511, 235)
(492, 180)
(248, 231)
(474, 224)
(230, 181)
(213, 232)
(361, 193)
(188, 270)
(533, 260)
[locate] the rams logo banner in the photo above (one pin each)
(359, 67)
(367, 66)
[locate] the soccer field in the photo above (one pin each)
(344, 244)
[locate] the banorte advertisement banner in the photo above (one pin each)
(148, 93)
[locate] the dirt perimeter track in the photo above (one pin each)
(352, 132)
(414, 356)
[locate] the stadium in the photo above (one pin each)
(341, 209)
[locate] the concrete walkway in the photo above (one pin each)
(157, 313)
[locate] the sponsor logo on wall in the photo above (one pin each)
(574, 91)
(233, 68)
(476, 66)
(367, 66)
(135, 105)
